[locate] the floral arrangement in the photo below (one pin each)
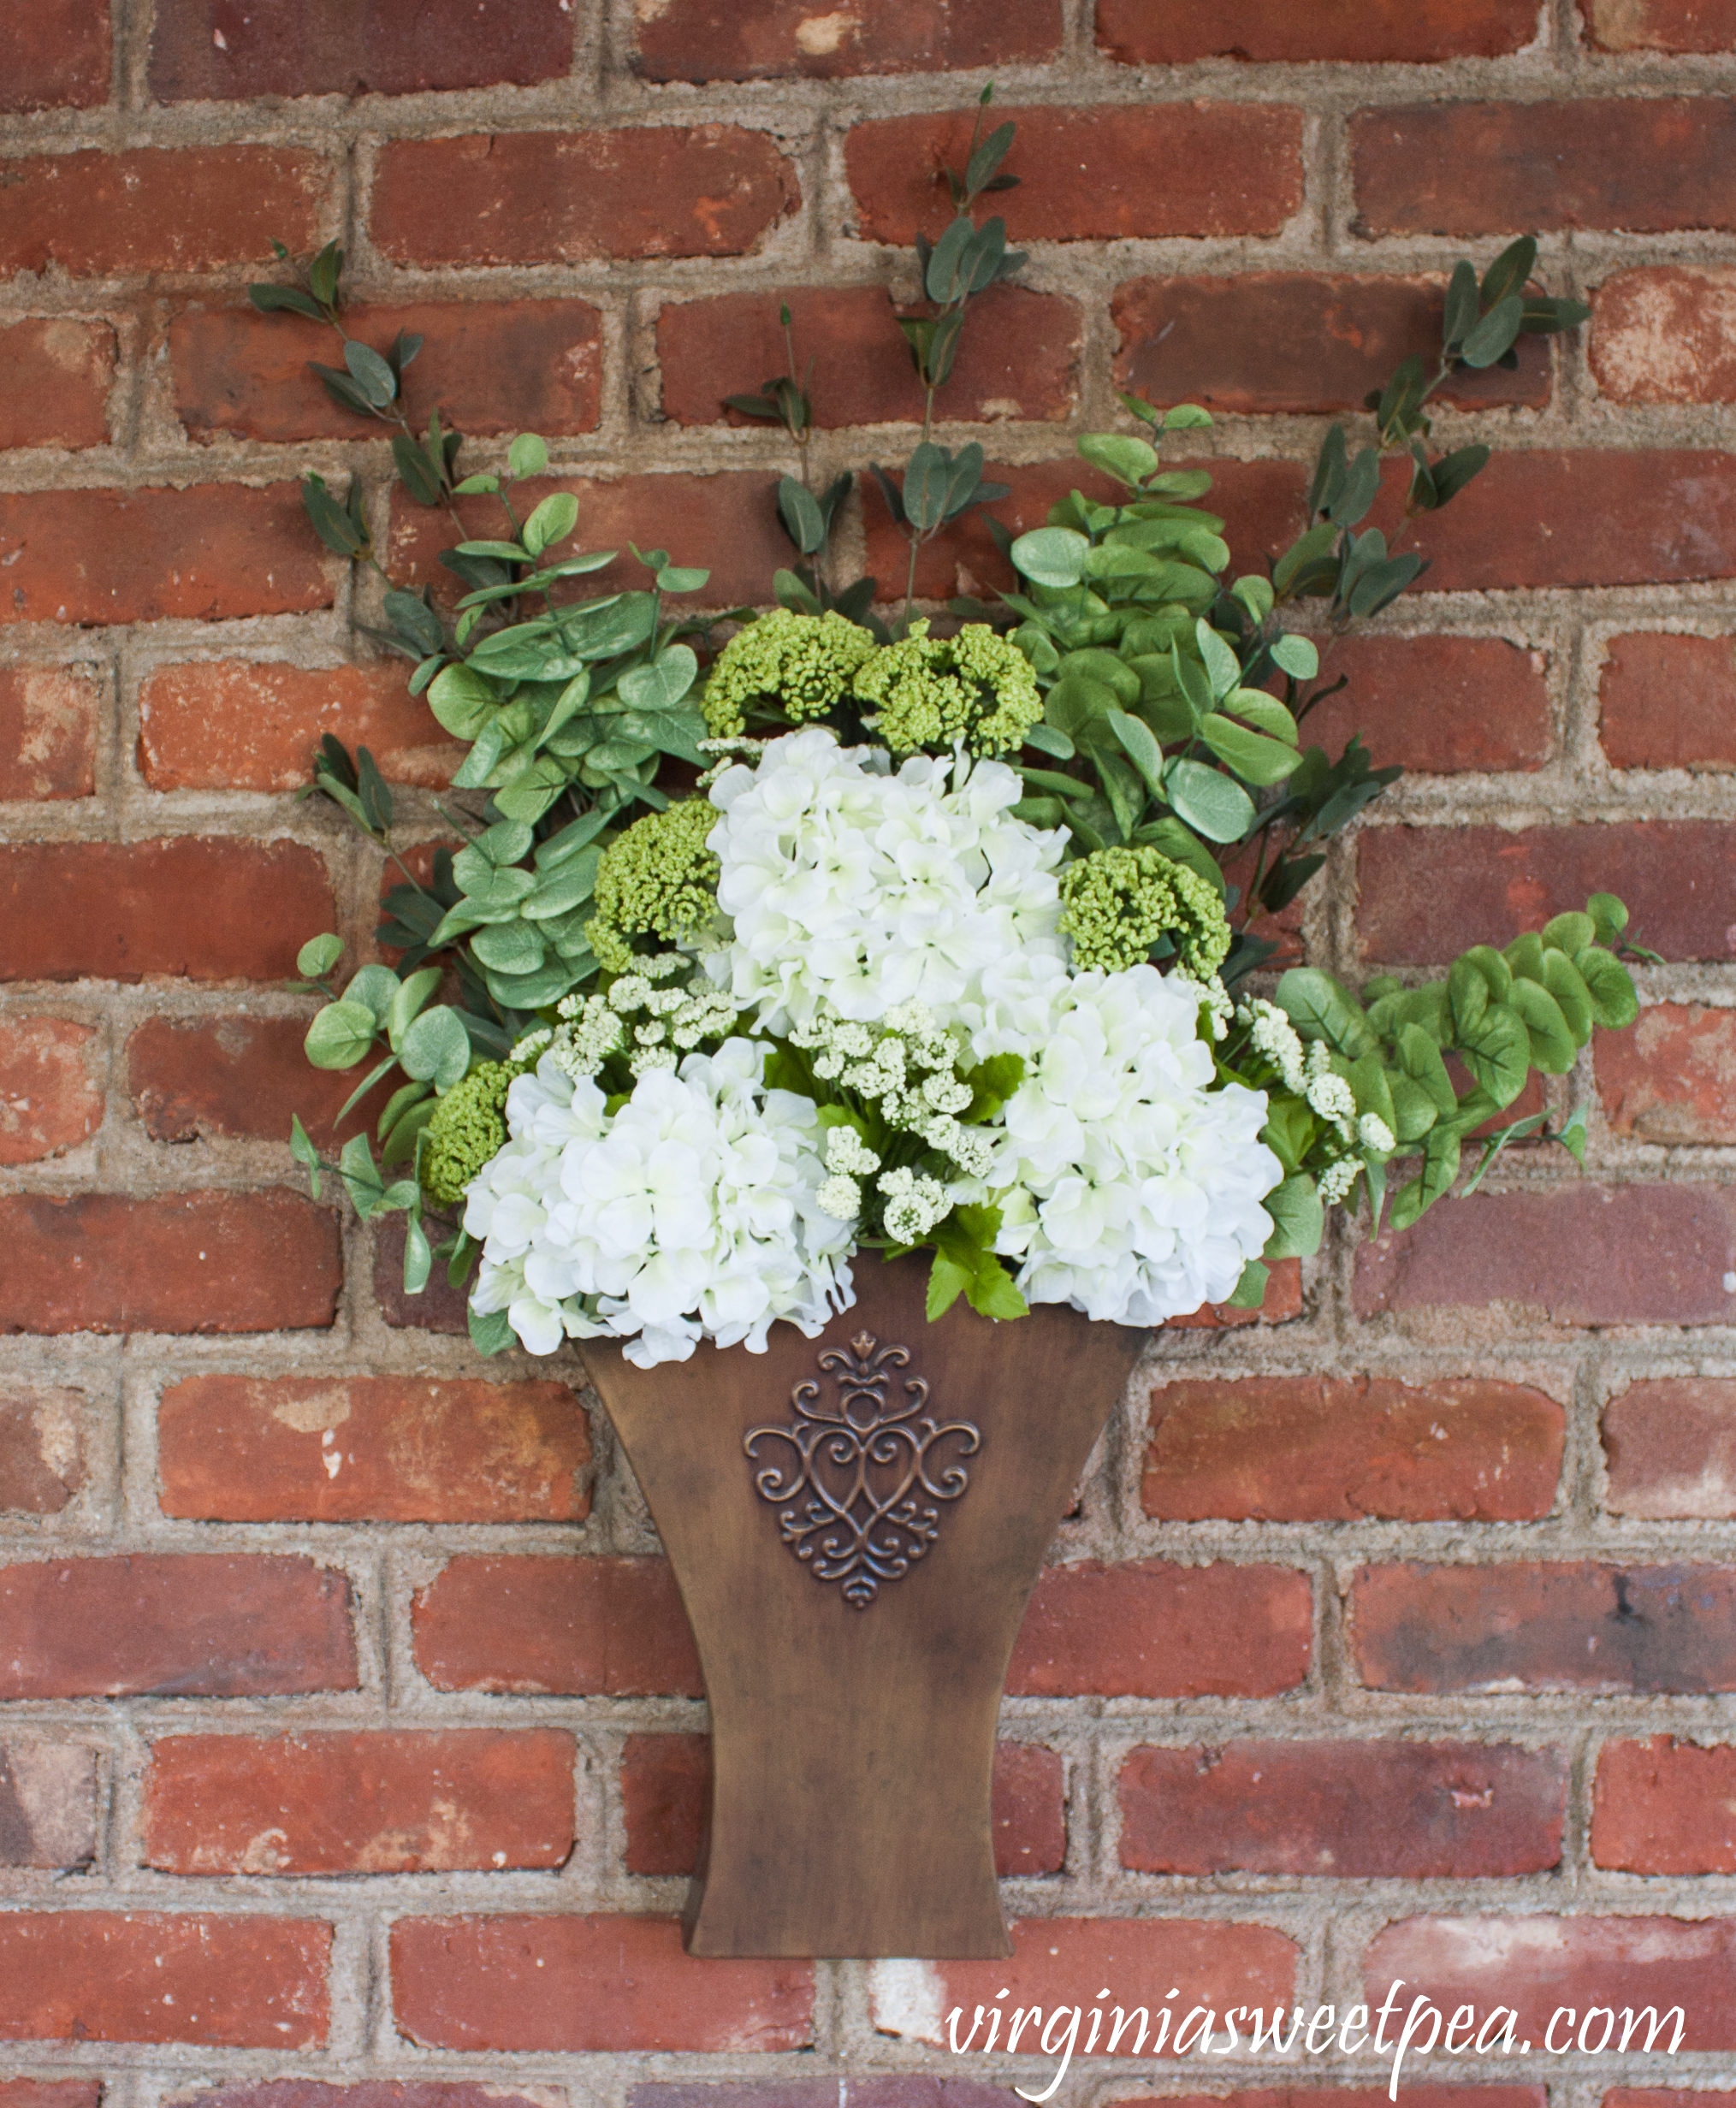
(845, 933)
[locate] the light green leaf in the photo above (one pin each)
(436, 1049)
(1222, 668)
(409, 1000)
(1129, 460)
(1609, 986)
(526, 456)
(418, 1257)
(1552, 1048)
(491, 1331)
(1298, 1220)
(1140, 747)
(318, 955)
(1497, 1052)
(1051, 556)
(1296, 657)
(1264, 712)
(1249, 1291)
(552, 521)
(1213, 803)
(663, 684)
(1254, 758)
(1320, 1009)
(462, 701)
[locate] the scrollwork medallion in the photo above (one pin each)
(859, 1497)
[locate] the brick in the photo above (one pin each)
(208, 553)
(702, 40)
(1662, 334)
(1670, 1078)
(665, 1780)
(1301, 1448)
(239, 1076)
(1670, 1445)
(583, 1983)
(1642, 165)
(1566, 1254)
(1283, 1302)
(909, 2090)
(1536, 1965)
(232, 725)
(359, 1803)
(58, 54)
(1137, 33)
(1448, 2096)
(1261, 503)
(98, 214)
(59, 373)
(573, 197)
(153, 1976)
(608, 1627)
(1146, 1628)
(1659, 25)
(1535, 1626)
(47, 730)
(241, 1449)
(128, 910)
(1061, 1960)
(1668, 701)
(1439, 706)
(439, 1307)
(1295, 342)
(174, 1626)
(488, 365)
(727, 522)
(375, 2094)
(197, 1262)
(51, 2092)
(1665, 1807)
(49, 1101)
(387, 47)
(48, 1804)
(1428, 892)
(42, 1450)
(1355, 1810)
(1102, 175)
(1018, 359)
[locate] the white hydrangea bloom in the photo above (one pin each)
(693, 1213)
(1135, 1185)
(852, 888)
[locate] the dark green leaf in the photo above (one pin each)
(1508, 274)
(371, 374)
(800, 513)
(1462, 305)
(986, 157)
(1494, 334)
(323, 273)
(413, 619)
(285, 299)
(419, 477)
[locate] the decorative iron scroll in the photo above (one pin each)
(866, 1468)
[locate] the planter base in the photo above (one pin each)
(854, 1604)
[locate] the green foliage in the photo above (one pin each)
(659, 881)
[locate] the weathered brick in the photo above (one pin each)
(247, 1982)
(1567, 1254)
(1222, 1964)
(1439, 706)
(1295, 342)
(727, 522)
(1283, 1302)
(1534, 1627)
(1357, 1810)
(1146, 1628)
(1642, 165)
(578, 1983)
(241, 1449)
(1427, 892)
(1261, 503)
(359, 1803)
(48, 1803)
(779, 39)
(128, 910)
(1302, 1448)
(1670, 1444)
(239, 1076)
(488, 365)
(1663, 334)
(204, 554)
(174, 1626)
(389, 2093)
(439, 1308)
(58, 54)
(613, 1627)
(198, 1262)
(235, 725)
(59, 372)
(386, 47)
(159, 208)
(49, 1100)
(1137, 33)
(47, 730)
(1665, 1807)
(1100, 175)
(1020, 359)
(1668, 701)
(42, 1449)
(570, 197)
(1659, 25)
(1536, 1966)
(1451, 2095)
(51, 2092)
(665, 1780)
(1670, 1079)
(909, 2090)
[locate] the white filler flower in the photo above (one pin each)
(861, 890)
(693, 1213)
(1135, 1186)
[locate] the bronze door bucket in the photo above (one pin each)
(856, 1524)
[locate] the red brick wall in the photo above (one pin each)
(351, 1732)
